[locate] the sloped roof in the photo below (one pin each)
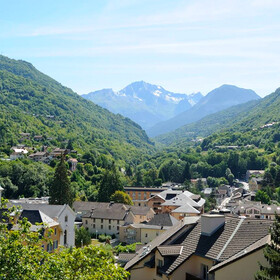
(229, 240)
(186, 223)
(163, 219)
(170, 250)
(37, 216)
(186, 209)
(250, 249)
(108, 210)
(52, 211)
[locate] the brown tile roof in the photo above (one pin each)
(108, 210)
(170, 250)
(230, 239)
(162, 238)
(250, 249)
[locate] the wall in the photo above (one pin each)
(242, 269)
(193, 267)
(147, 235)
(55, 236)
(68, 225)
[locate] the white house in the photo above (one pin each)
(62, 214)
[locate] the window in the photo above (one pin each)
(204, 272)
(160, 263)
(94, 220)
(101, 226)
(49, 247)
(101, 220)
(118, 227)
(55, 244)
(86, 222)
(118, 222)
(55, 231)
(109, 221)
(65, 237)
(109, 227)
(145, 195)
(139, 196)
(66, 219)
(93, 225)
(146, 235)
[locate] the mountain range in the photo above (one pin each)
(216, 100)
(144, 103)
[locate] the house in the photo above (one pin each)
(18, 153)
(139, 195)
(62, 214)
(178, 203)
(73, 163)
(207, 247)
(38, 138)
(146, 232)
(57, 152)
(39, 156)
(207, 192)
(106, 218)
(38, 220)
(24, 136)
(253, 173)
(255, 209)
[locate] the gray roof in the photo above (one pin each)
(170, 250)
(250, 249)
(264, 209)
(165, 236)
(108, 210)
(186, 209)
(50, 210)
(230, 239)
(163, 219)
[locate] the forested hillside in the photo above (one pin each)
(34, 103)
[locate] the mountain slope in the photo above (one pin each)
(212, 123)
(252, 119)
(218, 99)
(33, 102)
(144, 103)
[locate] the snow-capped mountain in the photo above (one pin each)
(144, 103)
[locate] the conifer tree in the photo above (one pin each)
(272, 255)
(60, 189)
(110, 183)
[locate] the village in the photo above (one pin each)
(161, 221)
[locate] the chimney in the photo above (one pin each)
(211, 223)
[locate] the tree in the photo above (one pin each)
(121, 197)
(262, 196)
(60, 189)
(82, 237)
(110, 183)
(272, 255)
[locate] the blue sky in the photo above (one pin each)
(184, 46)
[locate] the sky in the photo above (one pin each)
(185, 46)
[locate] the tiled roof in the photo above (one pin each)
(170, 250)
(108, 210)
(165, 236)
(163, 219)
(257, 245)
(233, 237)
(230, 239)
